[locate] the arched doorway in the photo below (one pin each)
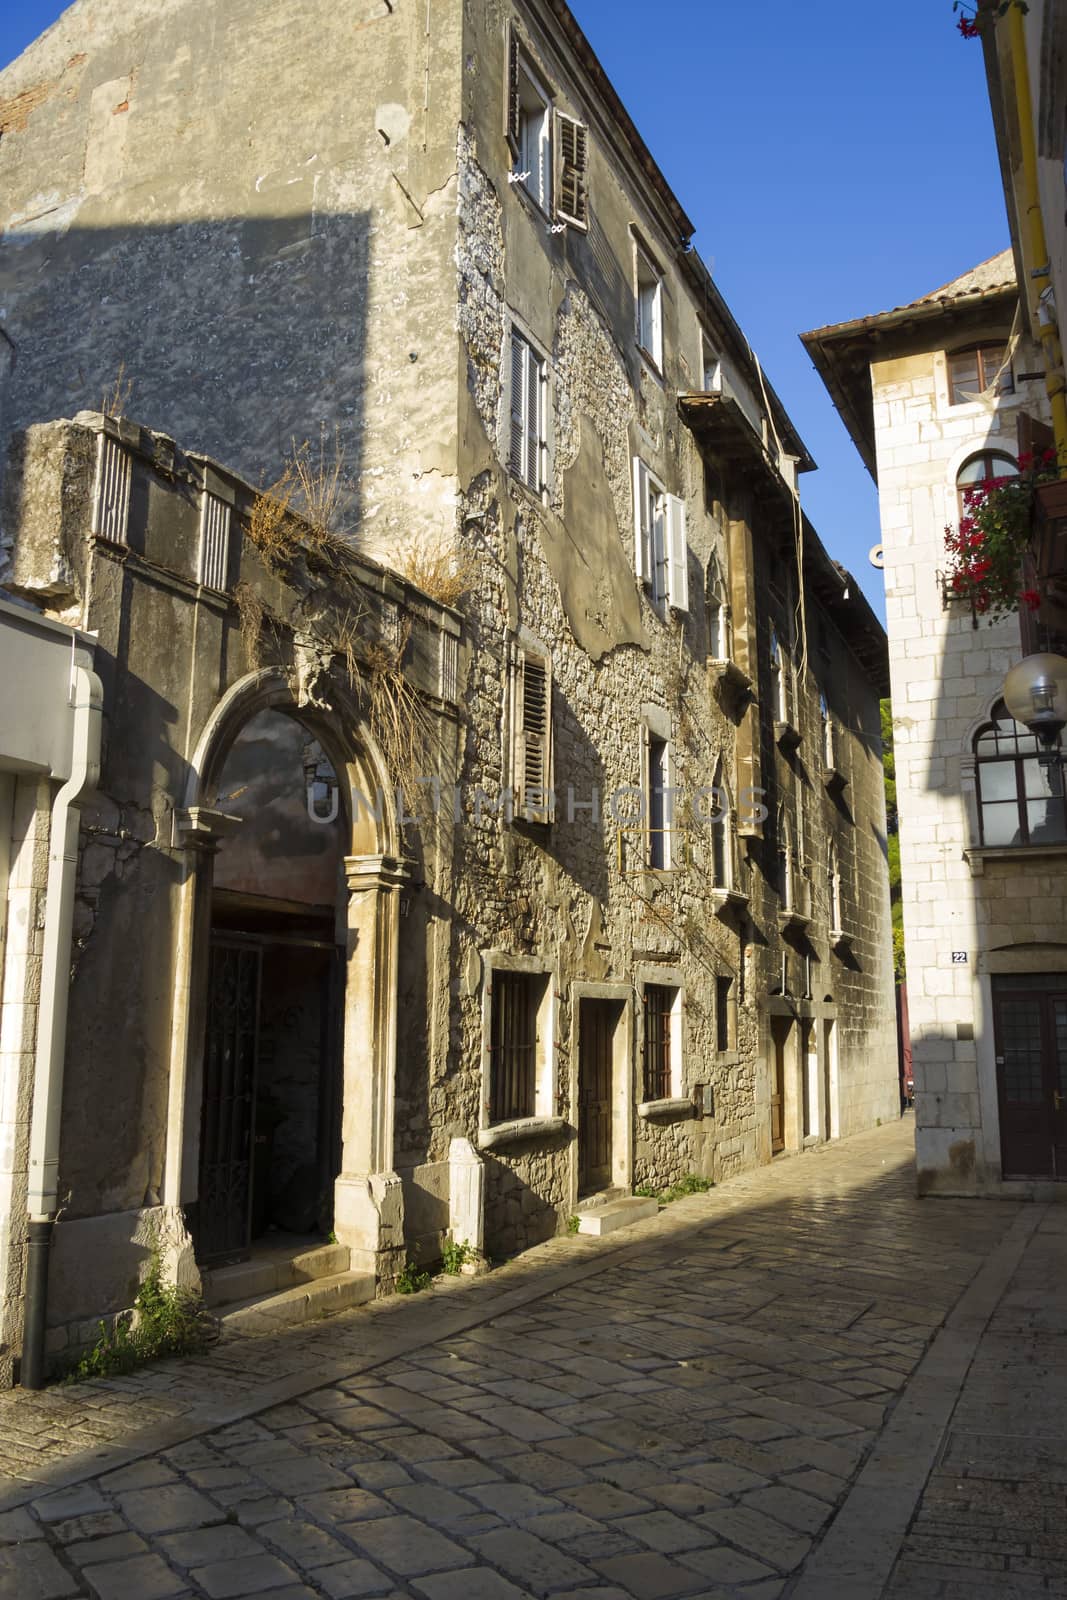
(271, 1093)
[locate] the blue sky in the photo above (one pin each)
(837, 159)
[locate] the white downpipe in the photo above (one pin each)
(87, 697)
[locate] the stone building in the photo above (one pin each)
(630, 920)
(939, 394)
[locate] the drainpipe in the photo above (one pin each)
(1035, 226)
(86, 701)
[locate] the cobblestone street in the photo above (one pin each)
(805, 1382)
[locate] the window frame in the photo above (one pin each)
(1019, 759)
(648, 306)
(986, 368)
(545, 1088)
(661, 539)
(661, 842)
(723, 830)
(525, 653)
(667, 981)
(533, 377)
(717, 603)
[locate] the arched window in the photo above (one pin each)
(975, 470)
(722, 834)
(785, 863)
(972, 372)
(1020, 793)
(720, 642)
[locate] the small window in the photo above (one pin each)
(833, 894)
(972, 373)
(660, 1006)
(658, 804)
(725, 1013)
(528, 114)
(711, 365)
(649, 301)
(979, 469)
(1020, 794)
(526, 450)
(519, 1023)
(786, 861)
(661, 550)
(722, 834)
(781, 681)
(531, 722)
(720, 641)
(828, 736)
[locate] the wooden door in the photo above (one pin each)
(598, 1020)
(224, 1209)
(779, 1033)
(1030, 1031)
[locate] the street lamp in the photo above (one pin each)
(1035, 693)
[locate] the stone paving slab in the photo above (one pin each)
(683, 1414)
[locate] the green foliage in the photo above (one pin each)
(889, 768)
(573, 1224)
(454, 1257)
(645, 1191)
(165, 1321)
(986, 552)
(692, 1183)
(412, 1279)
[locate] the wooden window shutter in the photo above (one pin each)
(571, 149)
(512, 106)
(677, 555)
(642, 522)
(519, 354)
(533, 730)
(534, 409)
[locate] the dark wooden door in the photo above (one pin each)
(1030, 1031)
(224, 1211)
(779, 1033)
(598, 1020)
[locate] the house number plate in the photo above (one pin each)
(959, 958)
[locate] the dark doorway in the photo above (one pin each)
(1030, 1034)
(780, 1027)
(271, 1109)
(598, 1020)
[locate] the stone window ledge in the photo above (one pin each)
(727, 901)
(523, 1128)
(665, 1108)
(730, 675)
(786, 735)
(977, 856)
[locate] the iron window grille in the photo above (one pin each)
(659, 1004)
(515, 999)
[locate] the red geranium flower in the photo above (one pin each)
(1031, 598)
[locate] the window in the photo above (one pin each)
(649, 301)
(660, 1006)
(725, 1013)
(973, 372)
(976, 470)
(658, 803)
(519, 1023)
(720, 643)
(661, 552)
(1020, 795)
(786, 886)
(526, 448)
(781, 681)
(550, 149)
(722, 835)
(711, 367)
(828, 738)
(833, 894)
(531, 724)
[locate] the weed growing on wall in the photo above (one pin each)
(166, 1320)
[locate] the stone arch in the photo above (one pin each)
(367, 1208)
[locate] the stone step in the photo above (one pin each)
(307, 1302)
(616, 1214)
(271, 1271)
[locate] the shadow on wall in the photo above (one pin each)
(234, 336)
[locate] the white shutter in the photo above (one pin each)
(512, 109)
(569, 192)
(656, 347)
(671, 839)
(534, 408)
(677, 555)
(519, 354)
(642, 523)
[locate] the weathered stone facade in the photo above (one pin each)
(411, 262)
(972, 913)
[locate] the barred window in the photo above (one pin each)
(513, 1044)
(659, 1003)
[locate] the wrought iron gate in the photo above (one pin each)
(225, 1201)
